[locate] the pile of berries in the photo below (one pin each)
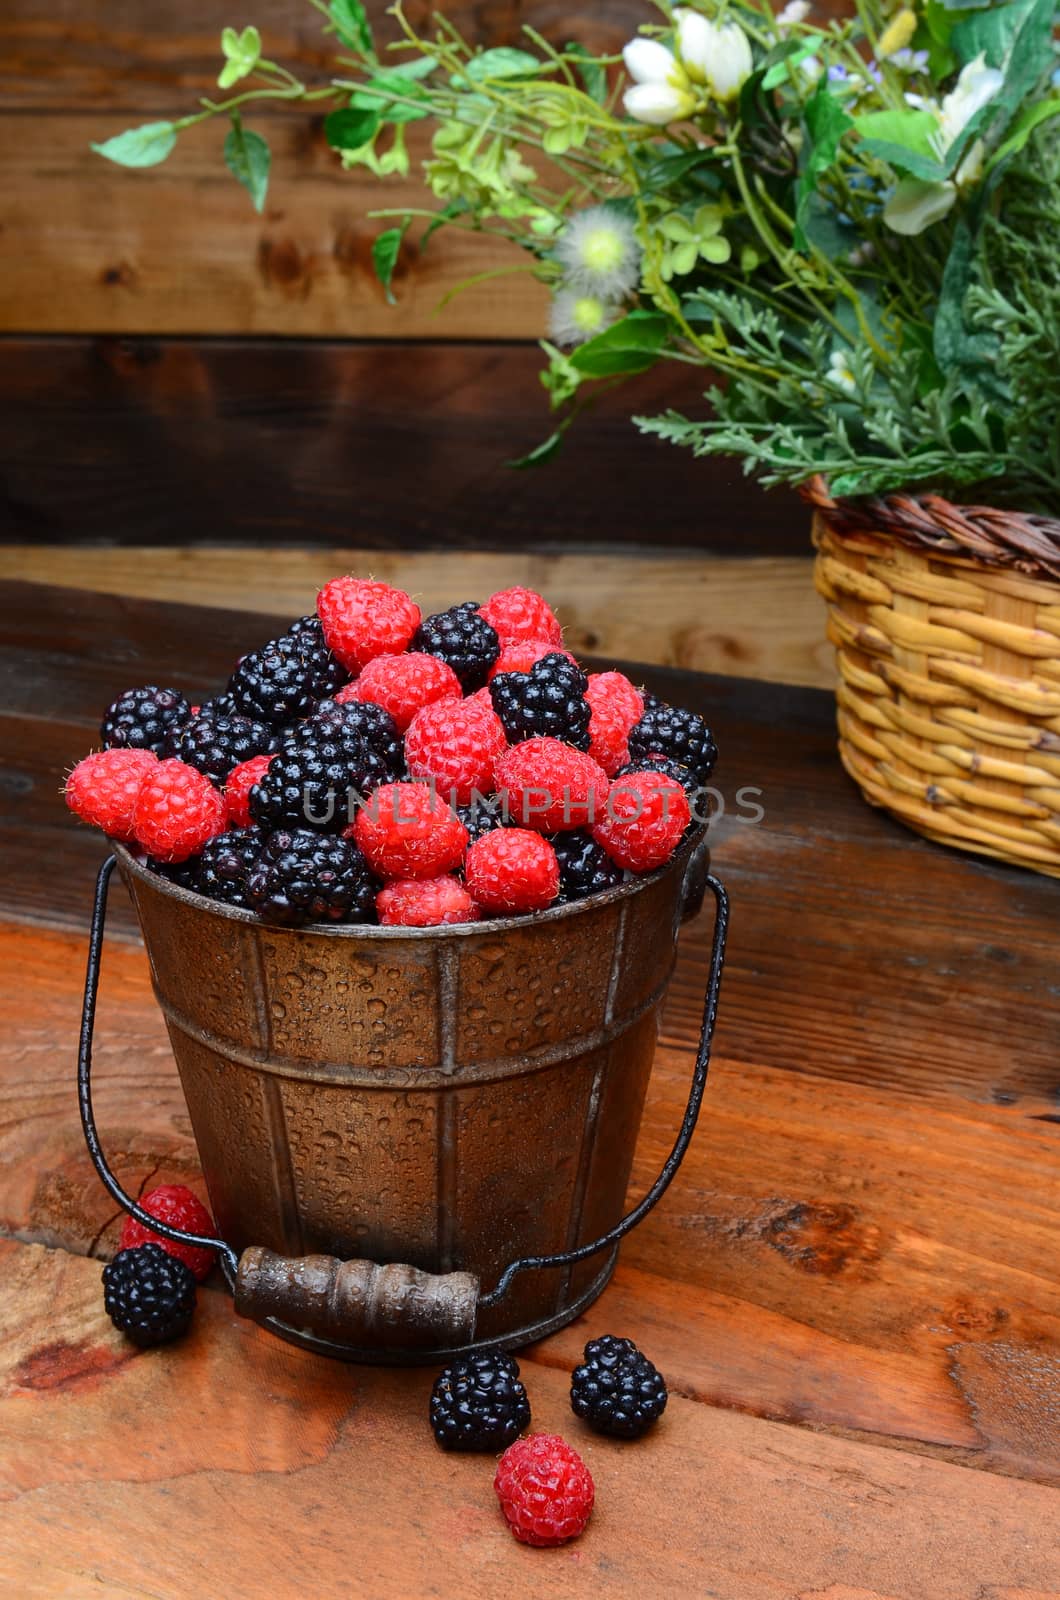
(374, 765)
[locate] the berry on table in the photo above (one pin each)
(615, 705)
(550, 787)
(176, 811)
(222, 869)
(315, 781)
(584, 866)
(174, 1204)
(518, 614)
(478, 1403)
(615, 689)
(103, 788)
(287, 677)
(548, 701)
(149, 1295)
(424, 903)
(463, 639)
(215, 744)
(455, 743)
(616, 1389)
(404, 684)
(681, 735)
(512, 870)
(302, 877)
(141, 719)
(237, 788)
(644, 818)
(351, 722)
(482, 816)
(545, 1489)
(407, 830)
(362, 619)
(522, 656)
(670, 769)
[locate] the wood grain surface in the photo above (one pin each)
(851, 1287)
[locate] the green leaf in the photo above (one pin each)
(903, 140)
(351, 23)
(541, 453)
(247, 158)
(1017, 38)
(385, 252)
(504, 62)
(826, 122)
(631, 345)
(349, 130)
(1029, 119)
(145, 146)
(794, 52)
(455, 208)
(590, 71)
(241, 51)
(372, 96)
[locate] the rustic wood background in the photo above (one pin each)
(176, 371)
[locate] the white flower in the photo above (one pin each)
(599, 252)
(661, 92)
(718, 55)
(862, 253)
(810, 68)
(841, 373)
(975, 88)
(916, 205)
(794, 12)
(576, 316)
(970, 169)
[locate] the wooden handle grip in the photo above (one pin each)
(358, 1302)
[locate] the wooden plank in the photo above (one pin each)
(165, 1474)
(754, 618)
(174, 442)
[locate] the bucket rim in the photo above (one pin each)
(633, 885)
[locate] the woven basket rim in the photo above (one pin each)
(1022, 541)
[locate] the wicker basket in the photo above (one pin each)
(946, 623)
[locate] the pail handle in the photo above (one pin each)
(361, 1302)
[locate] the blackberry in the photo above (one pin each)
(220, 705)
(672, 769)
(149, 1295)
(300, 877)
(480, 819)
(316, 785)
(548, 700)
(616, 1389)
(221, 871)
(287, 677)
(140, 719)
(179, 872)
(463, 640)
(681, 735)
(478, 1403)
(356, 722)
(215, 744)
(584, 866)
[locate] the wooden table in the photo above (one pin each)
(851, 1287)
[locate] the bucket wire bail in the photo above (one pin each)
(343, 1296)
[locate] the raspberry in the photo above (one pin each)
(478, 1403)
(642, 824)
(175, 1204)
(176, 811)
(222, 869)
(303, 877)
(215, 744)
(616, 1389)
(456, 743)
(545, 1490)
(237, 789)
(521, 657)
(549, 699)
(584, 866)
(681, 735)
(102, 789)
(512, 870)
(149, 1294)
(408, 831)
(463, 639)
(287, 676)
(551, 787)
(362, 619)
(518, 614)
(403, 685)
(615, 705)
(141, 719)
(614, 689)
(424, 903)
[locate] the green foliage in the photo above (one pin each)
(145, 146)
(247, 158)
(242, 52)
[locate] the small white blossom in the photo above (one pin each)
(715, 54)
(840, 373)
(599, 252)
(576, 316)
(975, 88)
(915, 205)
(862, 253)
(794, 12)
(661, 91)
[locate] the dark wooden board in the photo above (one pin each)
(172, 441)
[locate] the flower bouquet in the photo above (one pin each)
(850, 225)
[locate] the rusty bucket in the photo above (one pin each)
(461, 1100)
